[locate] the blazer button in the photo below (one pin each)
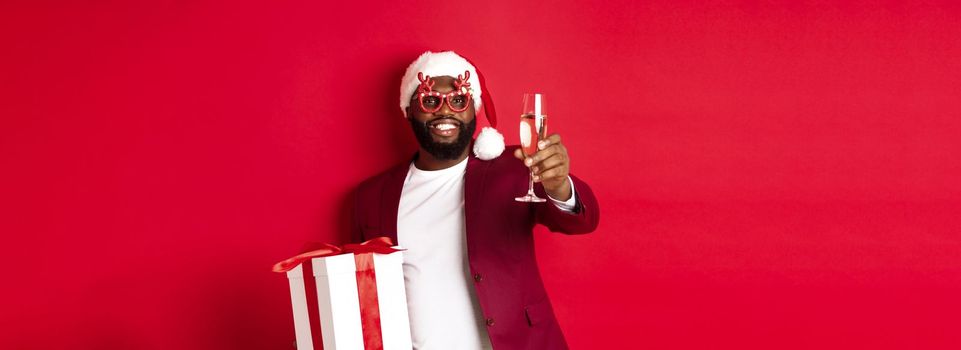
(477, 277)
(490, 322)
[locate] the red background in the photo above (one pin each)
(769, 176)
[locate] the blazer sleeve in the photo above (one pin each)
(584, 219)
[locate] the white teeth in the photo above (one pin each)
(444, 126)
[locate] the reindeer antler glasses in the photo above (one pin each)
(431, 101)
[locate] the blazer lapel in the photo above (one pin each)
(473, 190)
(391, 201)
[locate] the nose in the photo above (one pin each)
(444, 108)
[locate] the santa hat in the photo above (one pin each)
(489, 143)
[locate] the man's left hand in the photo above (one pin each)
(551, 166)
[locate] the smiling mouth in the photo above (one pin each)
(444, 127)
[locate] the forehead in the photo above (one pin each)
(443, 83)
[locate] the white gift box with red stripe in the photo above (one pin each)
(349, 300)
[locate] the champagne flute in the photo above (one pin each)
(533, 128)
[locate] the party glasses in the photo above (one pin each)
(432, 101)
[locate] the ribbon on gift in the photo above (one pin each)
(366, 284)
(380, 245)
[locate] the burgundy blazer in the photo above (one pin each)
(500, 244)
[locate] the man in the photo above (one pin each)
(470, 273)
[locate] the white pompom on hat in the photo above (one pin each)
(489, 143)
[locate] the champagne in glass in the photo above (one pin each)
(533, 128)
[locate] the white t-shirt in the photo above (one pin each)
(444, 312)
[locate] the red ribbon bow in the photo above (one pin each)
(380, 245)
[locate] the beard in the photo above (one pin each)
(444, 150)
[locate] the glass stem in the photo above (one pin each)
(530, 184)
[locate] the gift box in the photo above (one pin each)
(349, 297)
